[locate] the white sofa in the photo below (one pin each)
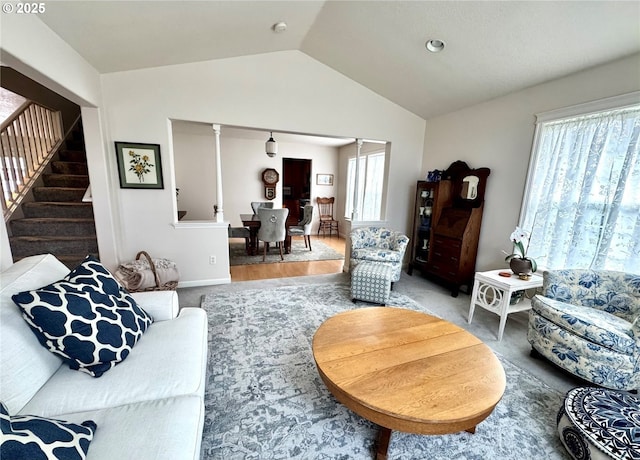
(150, 406)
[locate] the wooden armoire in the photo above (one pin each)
(446, 229)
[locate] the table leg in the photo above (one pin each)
(253, 242)
(504, 312)
(474, 297)
(384, 436)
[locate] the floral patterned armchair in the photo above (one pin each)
(588, 322)
(378, 244)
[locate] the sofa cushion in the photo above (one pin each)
(26, 365)
(169, 361)
(376, 255)
(29, 437)
(88, 319)
(594, 325)
(169, 428)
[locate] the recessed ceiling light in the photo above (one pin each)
(435, 46)
(279, 27)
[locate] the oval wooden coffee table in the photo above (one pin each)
(408, 371)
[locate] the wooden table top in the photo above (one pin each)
(408, 371)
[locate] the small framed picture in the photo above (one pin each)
(324, 179)
(139, 165)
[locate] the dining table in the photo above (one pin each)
(252, 222)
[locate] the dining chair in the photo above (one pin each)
(327, 222)
(304, 226)
(240, 232)
(272, 228)
(261, 204)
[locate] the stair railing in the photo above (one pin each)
(28, 140)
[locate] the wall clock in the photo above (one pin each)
(270, 178)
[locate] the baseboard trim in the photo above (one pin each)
(209, 282)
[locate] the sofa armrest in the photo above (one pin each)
(161, 305)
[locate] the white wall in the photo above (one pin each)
(195, 168)
(498, 134)
(32, 49)
(301, 95)
(243, 161)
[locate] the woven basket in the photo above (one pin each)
(169, 286)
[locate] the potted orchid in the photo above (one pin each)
(519, 263)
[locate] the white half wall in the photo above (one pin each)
(499, 133)
(301, 95)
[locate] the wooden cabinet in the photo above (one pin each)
(431, 198)
(445, 244)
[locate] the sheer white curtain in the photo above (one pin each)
(372, 195)
(582, 204)
(370, 185)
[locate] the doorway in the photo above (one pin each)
(296, 185)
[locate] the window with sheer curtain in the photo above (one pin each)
(582, 201)
(370, 185)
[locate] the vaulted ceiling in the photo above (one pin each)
(492, 47)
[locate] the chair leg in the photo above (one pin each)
(264, 252)
(309, 239)
(281, 246)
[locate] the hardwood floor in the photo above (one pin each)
(289, 269)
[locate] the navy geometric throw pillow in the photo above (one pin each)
(88, 318)
(27, 437)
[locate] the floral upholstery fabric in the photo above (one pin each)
(617, 293)
(607, 330)
(378, 244)
(586, 321)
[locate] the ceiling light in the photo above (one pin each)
(435, 46)
(279, 27)
(271, 146)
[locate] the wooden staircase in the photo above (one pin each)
(58, 221)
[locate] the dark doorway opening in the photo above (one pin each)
(296, 185)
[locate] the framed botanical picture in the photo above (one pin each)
(324, 179)
(139, 165)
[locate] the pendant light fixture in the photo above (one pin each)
(271, 146)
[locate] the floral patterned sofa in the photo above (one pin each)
(588, 322)
(378, 244)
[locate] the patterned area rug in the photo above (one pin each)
(238, 255)
(265, 400)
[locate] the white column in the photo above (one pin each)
(355, 213)
(220, 214)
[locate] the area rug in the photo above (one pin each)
(238, 254)
(265, 400)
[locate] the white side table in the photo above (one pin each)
(493, 292)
